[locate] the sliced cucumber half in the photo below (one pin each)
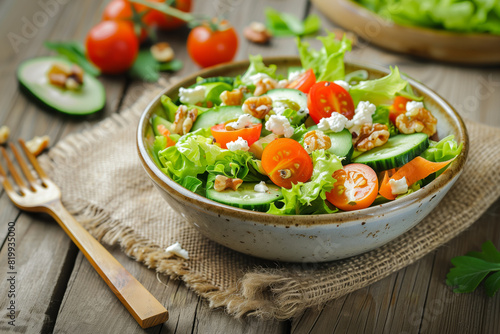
(246, 197)
(341, 143)
(32, 75)
(396, 152)
(218, 115)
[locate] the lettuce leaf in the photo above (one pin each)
(454, 15)
(309, 197)
(257, 66)
(379, 91)
(328, 62)
(444, 150)
(284, 24)
(381, 116)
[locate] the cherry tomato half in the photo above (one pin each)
(121, 10)
(208, 47)
(223, 136)
(356, 187)
(304, 82)
(158, 19)
(398, 107)
(112, 46)
(286, 162)
(326, 97)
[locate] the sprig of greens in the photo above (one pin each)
(474, 267)
(147, 68)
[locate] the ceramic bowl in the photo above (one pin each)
(442, 45)
(313, 238)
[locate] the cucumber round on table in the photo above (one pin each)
(32, 75)
(246, 197)
(398, 151)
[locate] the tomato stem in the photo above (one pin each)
(166, 9)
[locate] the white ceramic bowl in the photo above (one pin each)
(313, 238)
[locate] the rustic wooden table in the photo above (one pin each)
(58, 291)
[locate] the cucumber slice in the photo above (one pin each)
(218, 115)
(341, 144)
(286, 98)
(246, 197)
(214, 90)
(228, 80)
(157, 120)
(32, 75)
(396, 152)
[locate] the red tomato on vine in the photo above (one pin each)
(212, 43)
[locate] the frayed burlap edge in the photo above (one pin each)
(265, 293)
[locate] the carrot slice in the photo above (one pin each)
(417, 169)
(165, 133)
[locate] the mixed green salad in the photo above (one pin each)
(468, 16)
(315, 141)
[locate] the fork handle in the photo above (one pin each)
(143, 306)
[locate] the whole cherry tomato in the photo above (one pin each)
(356, 187)
(326, 97)
(158, 19)
(223, 136)
(304, 82)
(208, 47)
(286, 162)
(112, 46)
(118, 10)
(398, 107)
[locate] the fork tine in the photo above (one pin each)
(33, 161)
(13, 172)
(24, 167)
(5, 181)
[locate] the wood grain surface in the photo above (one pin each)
(57, 290)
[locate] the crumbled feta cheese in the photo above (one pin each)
(336, 122)
(362, 115)
(412, 108)
(261, 187)
(292, 76)
(279, 107)
(176, 249)
(342, 84)
(238, 144)
(398, 187)
(192, 95)
(242, 122)
(279, 125)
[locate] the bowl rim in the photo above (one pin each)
(339, 218)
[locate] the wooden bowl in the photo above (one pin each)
(442, 45)
(313, 238)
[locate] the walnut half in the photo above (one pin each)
(184, 120)
(420, 120)
(371, 136)
(223, 182)
(316, 140)
(257, 106)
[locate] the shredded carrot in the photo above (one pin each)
(165, 133)
(417, 169)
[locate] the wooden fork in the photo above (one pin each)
(45, 196)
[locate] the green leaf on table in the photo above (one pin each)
(470, 270)
(75, 53)
(284, 24)
(171, 66)
(147, 68)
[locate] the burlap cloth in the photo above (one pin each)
(106, 188)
